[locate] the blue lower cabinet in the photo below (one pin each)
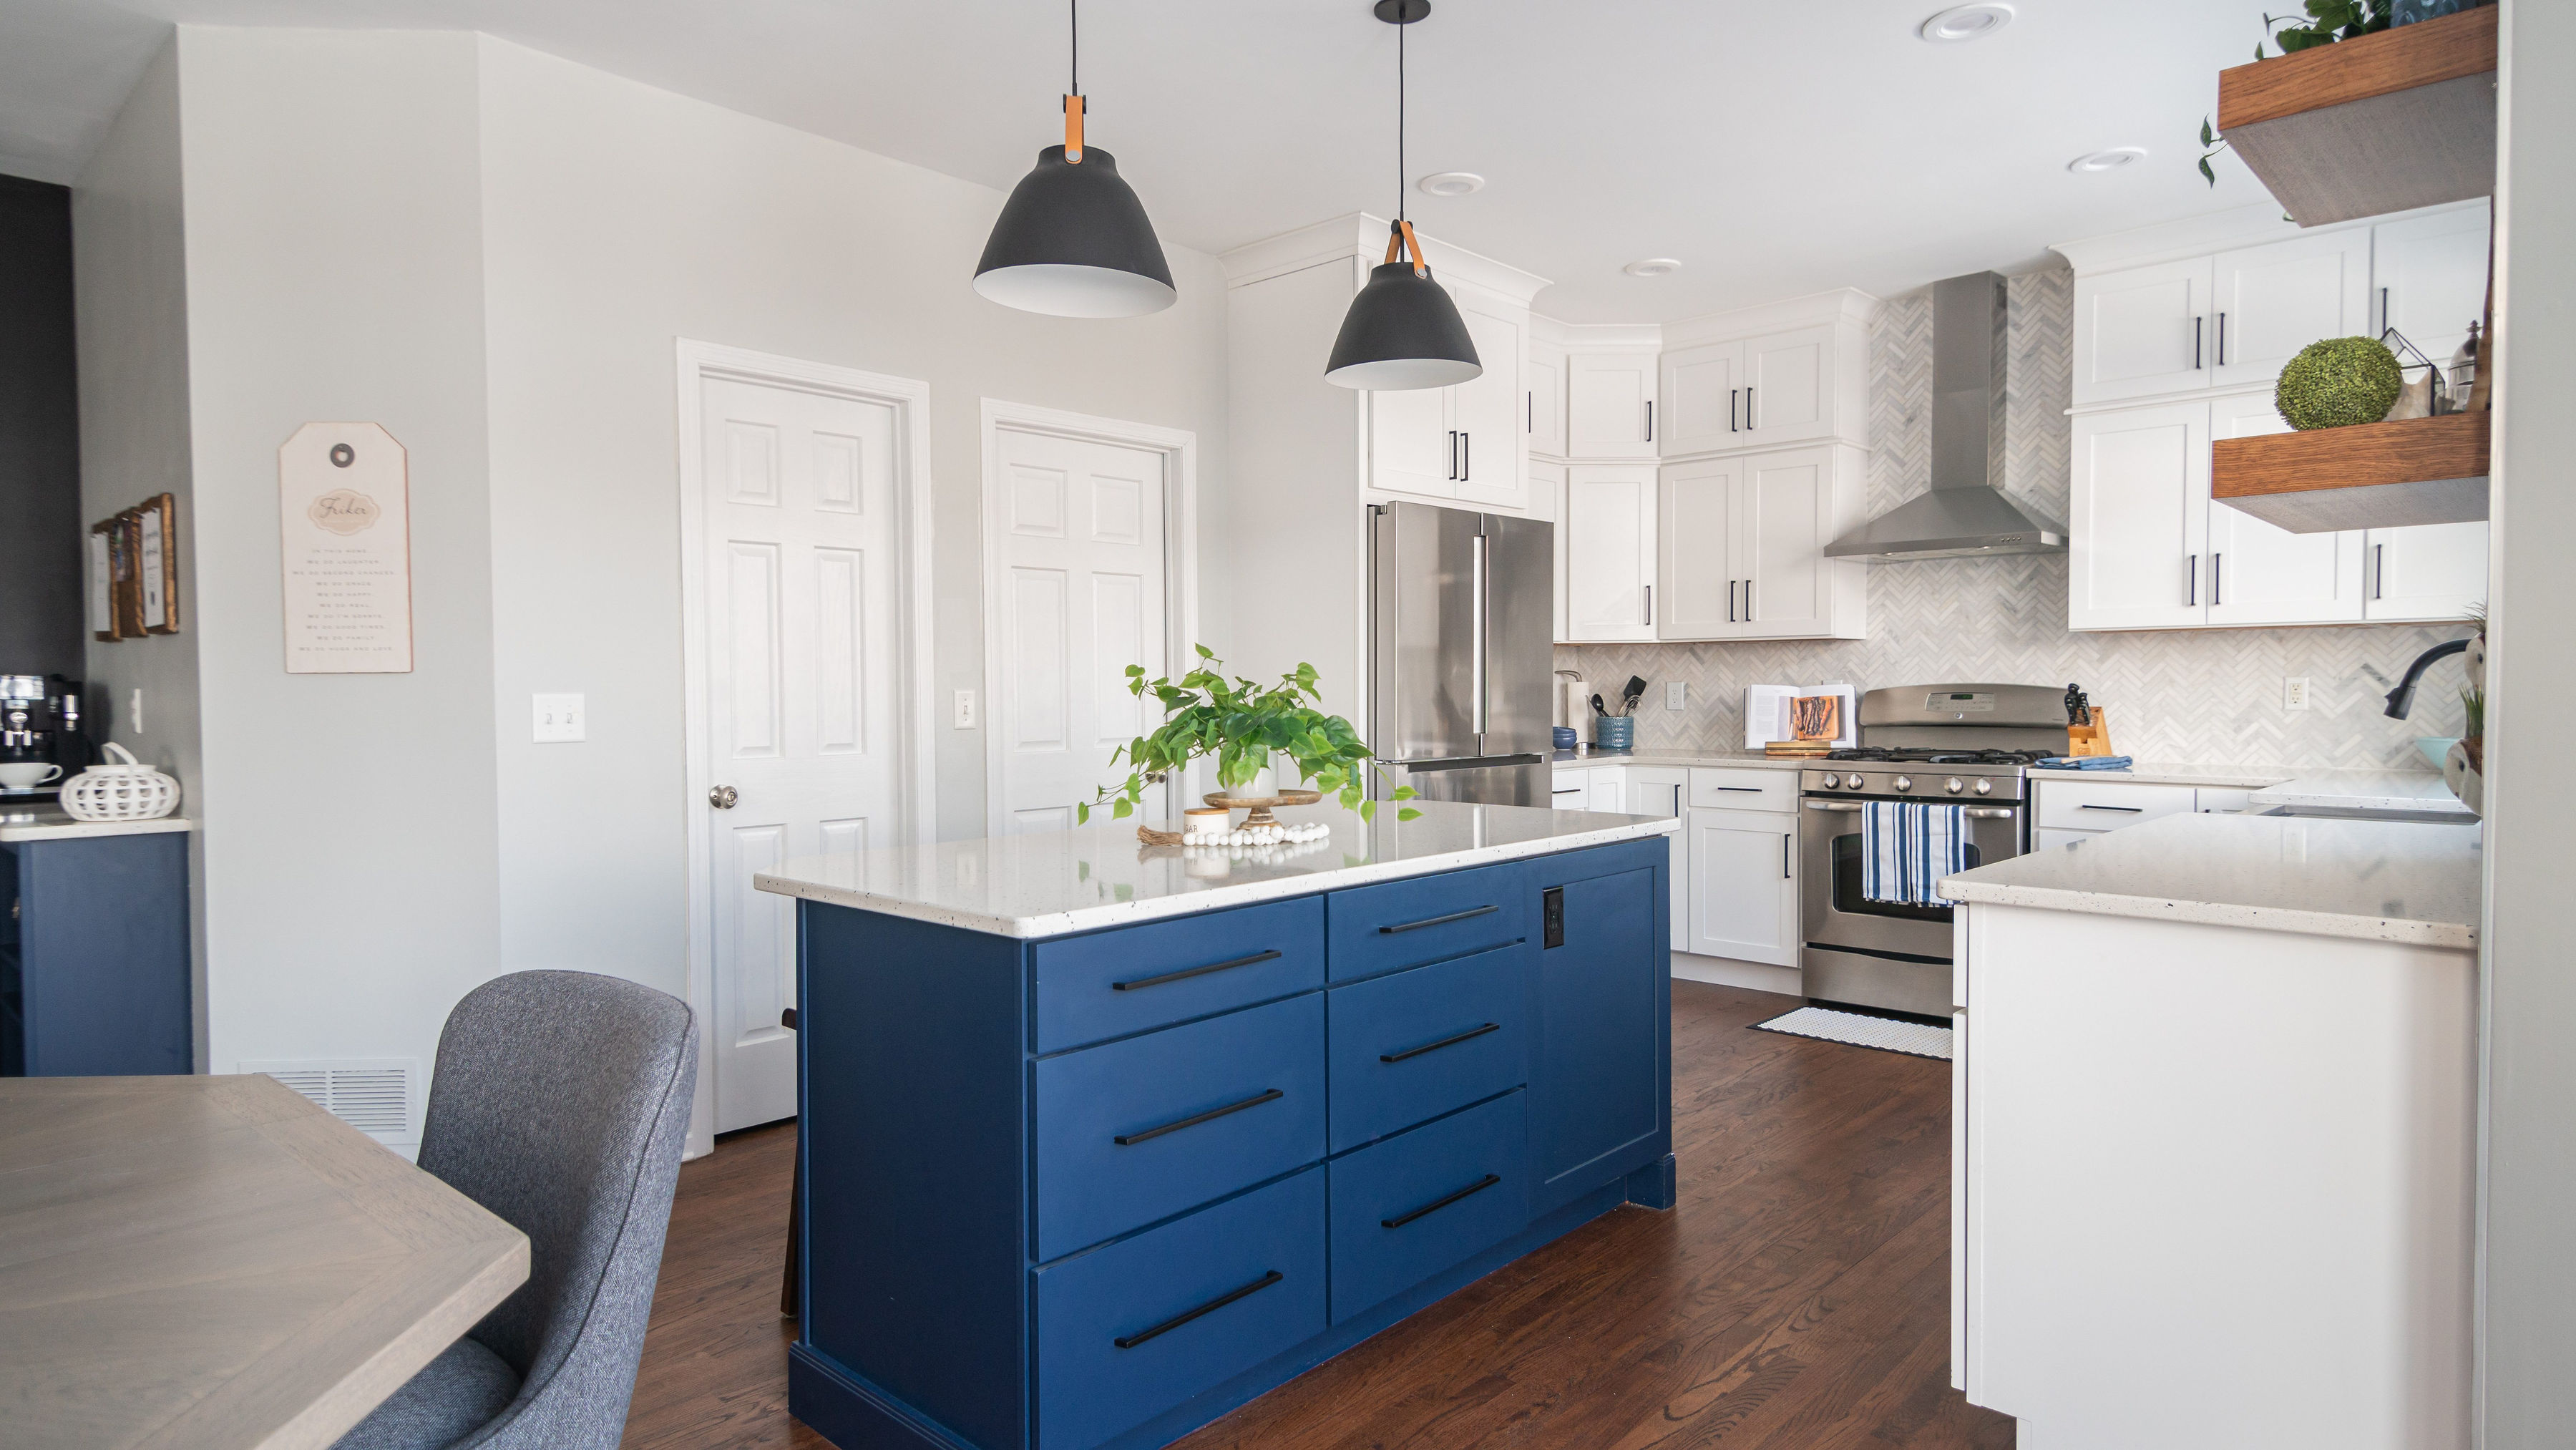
(1409, 1207)
(1128, 1331)
(1372, 929)
(1417, 1044)
(1145, 1128)
(1111, 983)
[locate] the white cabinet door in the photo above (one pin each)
(1701, 584)
(1486, 411)
(1783, 520)
(2141, 518)
(1547, 483)
(2429, 572)
(1657, 791)
(1609, 405)
(1608, 788)
(1610, 552)
(1703, 394)
(2259, 574)
(1788, 386)
(2430, 273)
(1412, 448)
(2142, 330)
(2051, 837)
(2270, 301)
(1543, 401)
(1743, 901)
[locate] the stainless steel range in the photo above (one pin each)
(1971, 745)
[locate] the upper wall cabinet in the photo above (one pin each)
(1610, 405)
(1543, 400)
(1791, 373)
(1789, 387)
(2142, 331)
(1463, 442)
(1610, 552)
(2270, 301)
(2140, 518)
(1742, 546)
(1703, 389)
(2430, 276)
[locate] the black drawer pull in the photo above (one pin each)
(1437, 1204)
(1747, 789)
(1125, 1140)
(2132, 810)
(1438, 920)
(1187, 972)
(1210, 1307)
(1443, 1042)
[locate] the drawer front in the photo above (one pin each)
(1126, 1333)
(1376, 929)
(1421, 1043)
(1418, 1203)
(1203, 1110)
(1088, 988)
(2074, 805)
(1744, 790)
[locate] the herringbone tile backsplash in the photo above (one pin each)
(2201, 696)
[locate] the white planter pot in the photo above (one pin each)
(2463, 781)
(1261, 787)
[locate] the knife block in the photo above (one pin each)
(2093, 739)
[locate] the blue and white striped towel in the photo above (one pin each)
(1907, 847)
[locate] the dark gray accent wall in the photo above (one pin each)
(41, 545)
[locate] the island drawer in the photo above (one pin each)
(1416, 1044)
(1401, 924)
(1137, 1130)
(2083, 805)
(1109, 984)
(1127, 1332)
(1421, 1202)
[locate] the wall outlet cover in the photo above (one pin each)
(1677, 695)
(2294, 692)
(561, 719)
(965, 709)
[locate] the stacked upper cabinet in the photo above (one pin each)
(1466, 442)
(2175, 352)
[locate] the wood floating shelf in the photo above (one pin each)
(2370, 476)
(2388, 122)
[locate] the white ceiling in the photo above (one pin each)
(1776, 146)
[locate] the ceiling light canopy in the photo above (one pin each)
(1402, 331)
(1965, 22)
(2092, 162)
(1653, 267)
(1451, 183)
(1073, 240)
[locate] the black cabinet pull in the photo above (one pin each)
(1210, 1307)
(1453, 455)
(1749, 424)
(1129, 1140)
(1650, 420)
(2131, 810)
(1437, 1204)
(1785, 838)
(1747, 789)
(1141, 983)
(1438, 920)
(2222, 339)
(2214, 591)
(1730, 408)
(1466, 456)
(2195, 342)
(1472, 1032)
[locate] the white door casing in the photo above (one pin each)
(1089, 567)
(805, 589)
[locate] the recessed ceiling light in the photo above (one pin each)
(1965, 22)
(1653, 267)
(1451, 183)
(2111, 160)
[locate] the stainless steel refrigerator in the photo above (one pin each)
(1460, 652)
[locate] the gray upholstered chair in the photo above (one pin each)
(559, 1103)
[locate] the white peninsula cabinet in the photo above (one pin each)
(2172, 354)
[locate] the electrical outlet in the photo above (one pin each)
(561, 719)
(137, 711)
(1677, 695)
(965, 709)
(2294, 692)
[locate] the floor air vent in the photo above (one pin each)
(372, 1095)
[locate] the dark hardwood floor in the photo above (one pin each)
(1797, 1297)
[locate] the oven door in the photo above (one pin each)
(1834, 916)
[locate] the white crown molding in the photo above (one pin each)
(2243, 226)
(1361, 234)
(1842, 304)
(1597, 336)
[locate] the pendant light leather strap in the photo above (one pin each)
(1073, 135)
(1400, 238)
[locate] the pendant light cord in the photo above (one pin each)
(1075, 6)
(1399, 119)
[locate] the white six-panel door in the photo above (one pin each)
(1079, 595)
(804, 690)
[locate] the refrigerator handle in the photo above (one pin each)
(1483, 623)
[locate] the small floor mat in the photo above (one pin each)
(1887, 1034)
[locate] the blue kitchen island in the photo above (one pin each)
(1100, 1140)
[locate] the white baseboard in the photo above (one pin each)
(1727, 972)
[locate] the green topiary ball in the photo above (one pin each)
(2337, 383)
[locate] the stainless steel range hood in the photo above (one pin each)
(1966, 514)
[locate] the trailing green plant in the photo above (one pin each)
(2211, 143)
(2328, 22)
(1241, 724)
(2337, 383)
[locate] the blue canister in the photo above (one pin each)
(1614, 732)
(1563, 737)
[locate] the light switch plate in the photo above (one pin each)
(965, 709)
(1677, 695)
(561, 719)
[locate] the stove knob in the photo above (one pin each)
(1905, 782)
(1957, 785)
(1985, 787)
(1852, 780)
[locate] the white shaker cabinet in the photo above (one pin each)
(1743, 899)
(1543, 400)
(2431, 572)
(2273, 300)
(1461, 442)
(1743, 546)
(1547, 484)
(2431, 276)
(1701, 586)
(1610, 405)
(2259, 574)
(1703, 394)
(1610, 552)
(1412, 448)
(1656, 790)
(2141, 331)
(2140, 518)
(1789, 386)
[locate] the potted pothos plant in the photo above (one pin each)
(1243, 726)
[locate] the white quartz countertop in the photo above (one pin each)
(46, 821)
(1671, 758)
(2364, 790)
(1053, 882)
(2167, 772)
(2398, 881)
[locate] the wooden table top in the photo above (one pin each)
(215, 1262)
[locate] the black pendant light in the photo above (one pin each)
(1402, 330)
(1073, 240)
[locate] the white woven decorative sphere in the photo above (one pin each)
(125, 789)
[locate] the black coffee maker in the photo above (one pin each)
(40, 724)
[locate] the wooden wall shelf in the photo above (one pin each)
(2392, 121)
(2373, 476)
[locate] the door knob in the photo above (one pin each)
(723, 797)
